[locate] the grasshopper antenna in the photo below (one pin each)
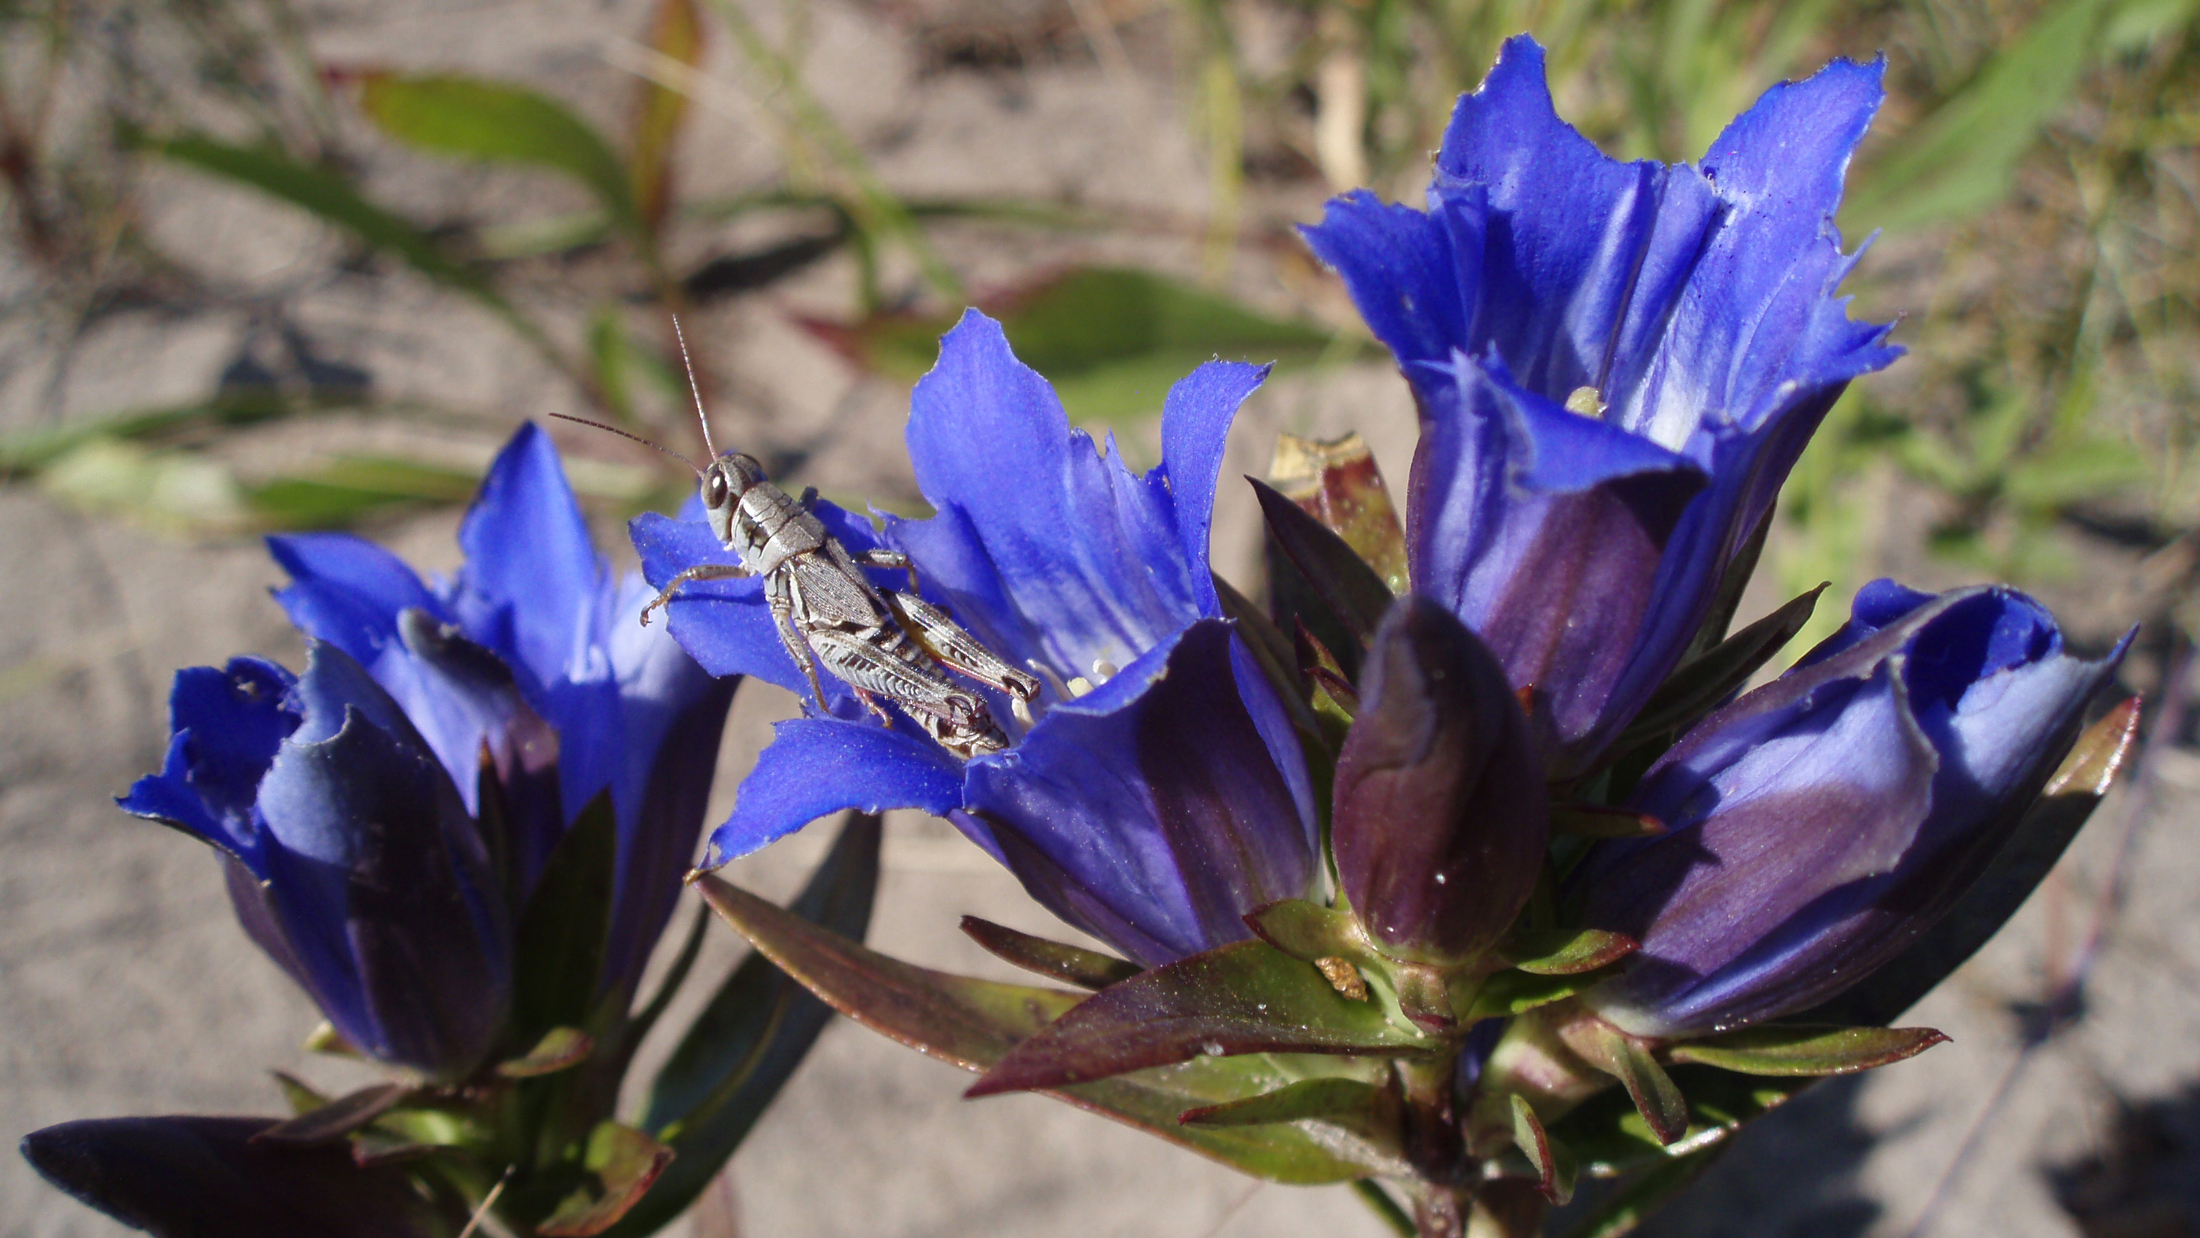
(694, 389)
(636, 437)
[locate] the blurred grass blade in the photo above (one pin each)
(675, 33)
(476, 119)
(350, 489)
(1961, 159)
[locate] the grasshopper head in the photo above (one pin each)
(728, 478)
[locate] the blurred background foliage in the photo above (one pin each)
(2034, 178)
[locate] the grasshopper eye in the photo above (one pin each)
(714, 489)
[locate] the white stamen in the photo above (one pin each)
(1585, 401)
(1102, 670)
(1079, 686)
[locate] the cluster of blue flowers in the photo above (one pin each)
(1616, 365)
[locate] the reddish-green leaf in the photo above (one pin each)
(1087, 969)
(1807, 1050)
(336, 1119)
(624, 1162)
(1337, 483)
(1566, 952)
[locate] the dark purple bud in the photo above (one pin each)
(195, 1177)
(1441, 814)
(1822, 822)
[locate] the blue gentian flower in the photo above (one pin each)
(1160, 793)
(348, 800)
(1616, 366)
(1817, 825)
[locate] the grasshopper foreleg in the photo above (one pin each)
(701, 571)
(891, 560)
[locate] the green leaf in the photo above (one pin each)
(1246, 997)
(747, 1041)
(1517, 992)
(2034, 846)
(1087, 969)
(1566, 952)
(558, 947)
(974, 1023)
(1807, 1049)
(1700, 684)
(560, 1048)
(1111, 340)
(624, 1163)
(450, 114)
(676, 34)
(1656, 1098)
(1371, 1113)
(1963, 157)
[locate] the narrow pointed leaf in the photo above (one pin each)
(1693, 689)
(1778, 1049)
(1609, 1136)
(1566, 952)
(1246, 997)
(745, 1044)
(624, 1163)
(1354, 595)
(562, 935)
(1553, 1164)
(1517, 992)
(1371, 1112)
(2034, 846)
(1087, 969)
(974, 1023)
(336, 1119)
(297, 1093)
(559, 1049)
(1337, 483)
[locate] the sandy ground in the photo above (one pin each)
(126, 988)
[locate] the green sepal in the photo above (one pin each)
(1610, 1137)
(974, 1023)
(1657, 1098)
(1087, 969)
(1552, 1161)
(559, 943)
(560, 1048)
(1310, 931)
(1511, 993)
(1806, 1049)
(1566, 952)
(747, 1040)
(1702, 682)
(624, 1163)
(336, 1119)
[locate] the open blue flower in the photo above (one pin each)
(1160, 793)
(1616, 364)
(1817, 825)
(349, 799)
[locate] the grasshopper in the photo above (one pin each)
(883, 643)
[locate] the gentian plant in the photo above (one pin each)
(1465, 865)
(462, 831)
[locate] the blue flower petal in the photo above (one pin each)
(348, 591)
(1157, 810)
(1046, 548)
(227, 726)
(818, 766)
(533, 580)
